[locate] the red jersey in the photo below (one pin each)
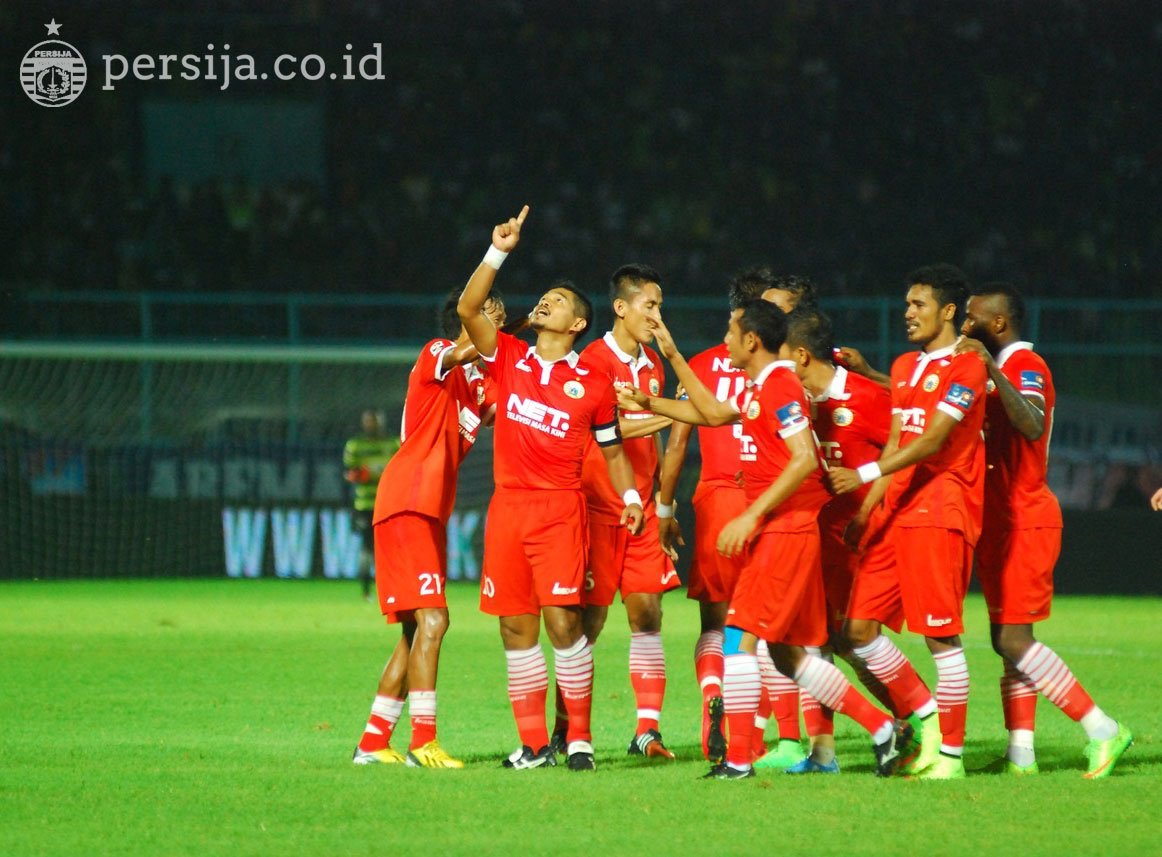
(853, 418)
(1017, 494)
(545, 413)
(441, 416)
(644, 372)
(947, 488)
(722, 447)
(774, 408)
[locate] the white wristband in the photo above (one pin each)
(665, 510)
(869, 472)
(631, 497)
(494, 258)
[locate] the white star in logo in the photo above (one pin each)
(54, 29)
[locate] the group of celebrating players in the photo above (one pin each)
(832, 501)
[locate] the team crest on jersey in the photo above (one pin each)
(753, 410)
(990, 387)
(843, 417)
(655, 387)
(480, 395)
(573, 389)
(931, 383)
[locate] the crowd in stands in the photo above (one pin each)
(846, 141)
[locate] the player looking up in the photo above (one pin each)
(1020, 540)
(548, 404)
(447, 400)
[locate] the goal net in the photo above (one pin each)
(169, 460)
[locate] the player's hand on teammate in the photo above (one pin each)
(737, 534)
(632, 399)
(843, 480)
(1156, 501)
(505, 236)
(853, 360)
(968, 345)
(632, 517)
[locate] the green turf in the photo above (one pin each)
(218, 717)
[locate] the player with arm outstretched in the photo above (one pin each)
(448, 398)
(1020, 539)
(779, 594)
(549, 403)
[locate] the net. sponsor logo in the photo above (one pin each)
(537, 415)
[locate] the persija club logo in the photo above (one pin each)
(53, 73)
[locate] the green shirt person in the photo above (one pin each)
(364, 458)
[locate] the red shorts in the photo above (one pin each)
(839, 565)
(779, 596)
(1015, 568)
(619, 562)
(410, 564)
(712, 575)
(918, 574)
(535, 547)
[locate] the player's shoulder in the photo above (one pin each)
(969, 366)
(1026, 358)
(434, 347)
(904, 363)
(864, 389)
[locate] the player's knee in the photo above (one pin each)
(1012, 641)
(858, 633)
(433, 624)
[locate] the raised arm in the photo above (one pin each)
(505, 237)
(714, 412)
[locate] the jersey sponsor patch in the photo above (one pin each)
(960, 396)
(790, 415)
(1033, 380)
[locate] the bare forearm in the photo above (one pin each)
(787, 483)
(679, 411)
(1025, 416)
(642, 426)
(673, 461)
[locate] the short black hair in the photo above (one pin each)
(949, 285)
(450, 324)
(627, 280)
(809, 327)
(749, 284)
(766, 321)
(1014, 301)
(582, 306)
(806, 294)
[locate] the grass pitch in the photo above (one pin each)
(218, 717)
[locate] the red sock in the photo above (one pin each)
(528, 689)
(1054, 679)
(385, 712)
(422, 708)
(708, 671)
(874, 686)
(1018, 699)
(827, 684)
(758, 744)
(952, 699)
(888, 664)
(575, 683)
(561, 721)
(741, 687)
(647, 674)
(817, 718)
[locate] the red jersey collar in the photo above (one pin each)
(635, 363)
(771, 367)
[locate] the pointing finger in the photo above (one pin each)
(520, 218)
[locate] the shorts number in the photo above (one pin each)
(488, 587)
(430, 584)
